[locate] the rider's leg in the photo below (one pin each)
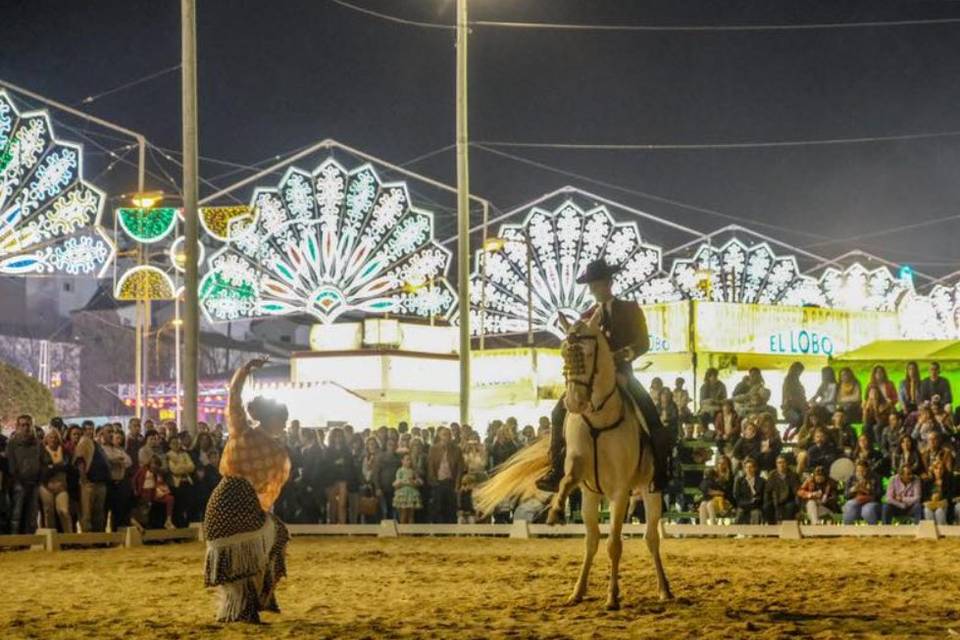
(551, 481)
(660, 438)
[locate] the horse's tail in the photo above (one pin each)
(514, 479)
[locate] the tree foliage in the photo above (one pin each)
(19, 393)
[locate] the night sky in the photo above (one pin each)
(277, 75)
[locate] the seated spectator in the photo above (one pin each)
(935, 385)
(906, 455)
(716, 492)
(748, 494)
(866, 453)
(892, 434)
(849, 396)
(935, 451)
(863, 496)
(821, 453)
(910, 389)
(770, 444)
(150, 486)
(939, 493)
(904, 495)
(842, 433)
(942, 416)
(794, 399)
(53, 487)
(876, 413)
(819, 495)
(681, 398)
(406, 495)
(810, 424)
(749, 443)
(713, 395)
(756, 398)
(824, 401)
(727, 423)
(669, 413)
(780, 492)
(925, 423)
(880, 381)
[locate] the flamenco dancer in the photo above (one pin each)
(246, 544)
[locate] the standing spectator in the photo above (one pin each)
(385, 474)
(133, 442)
(794, 399)
(780, 492)
(713, 394)
(849, 396)
(939, 492)
(151, 447)
(119, 488)
(406, 496)
(418, 460)
(181, 468)
(748, 494)
(935, 385)
(904, 494)
(717, 492)
(150, 486)
(876, 412)
(503, 447)
(863, 496)
(24, 458)
(906, 454)
(444, 471)
(368, 470)
(824, 400)
(208, 477)
(54, 496)
(339, 472)
(910, 389)
(475, 472)
(819, 495)
(94, 473)
(357, 446)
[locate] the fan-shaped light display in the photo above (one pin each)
(49, 216)
(738, 273)
(857, 288)
(561, 243)
(327, 243)
(145, 282)
(221, 222)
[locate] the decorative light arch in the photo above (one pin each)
(560, 243)
(857, 288)
(49, 216)
(325, 243)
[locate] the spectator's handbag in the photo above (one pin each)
(721, 505)
(368, 506)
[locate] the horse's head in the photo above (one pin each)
(587, 364)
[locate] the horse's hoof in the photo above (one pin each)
(666, 596)
(573, 601)
(554, 517)
(613, 605)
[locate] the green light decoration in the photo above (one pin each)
(147, 225)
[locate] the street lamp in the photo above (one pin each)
(496, 245)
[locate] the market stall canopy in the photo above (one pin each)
(903, 350)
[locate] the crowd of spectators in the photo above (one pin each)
(882, 453)
(92, 478)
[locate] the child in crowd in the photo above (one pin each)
(406, 498)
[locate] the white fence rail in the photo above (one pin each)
(50, 540)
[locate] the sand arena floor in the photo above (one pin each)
(487, 588)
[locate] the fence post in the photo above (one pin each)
(927, 530)
(50, 543)
(520, 530)
(388, 529)
(132, 538)
(199, 527)
(790, 530)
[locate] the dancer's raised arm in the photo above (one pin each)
(236, 416)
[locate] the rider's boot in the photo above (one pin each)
(551, 481)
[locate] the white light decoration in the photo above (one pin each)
(919, 320)
(49, 216)
(177, 254)
(561, 244)
(946, 304)
(735, 272)
(327, 243)
(857, 288)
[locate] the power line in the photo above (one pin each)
(884, 232)
(127, 85)
(648, 196)
(553, 26)
(719, 145)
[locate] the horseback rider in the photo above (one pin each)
(625, 328)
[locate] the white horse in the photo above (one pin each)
(604, 456)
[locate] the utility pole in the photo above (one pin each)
(463, 212)
(191, 319)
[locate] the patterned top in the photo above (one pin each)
(261, 460)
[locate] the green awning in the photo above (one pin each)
(902, 350)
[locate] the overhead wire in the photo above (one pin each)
(91, 98)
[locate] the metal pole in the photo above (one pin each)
(191, 325)
(176, 356)
(138, 358)
(463, 212)
(483, 278)
(529, 294)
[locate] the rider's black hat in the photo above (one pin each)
(597, 270)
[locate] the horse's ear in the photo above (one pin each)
(563, 322)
